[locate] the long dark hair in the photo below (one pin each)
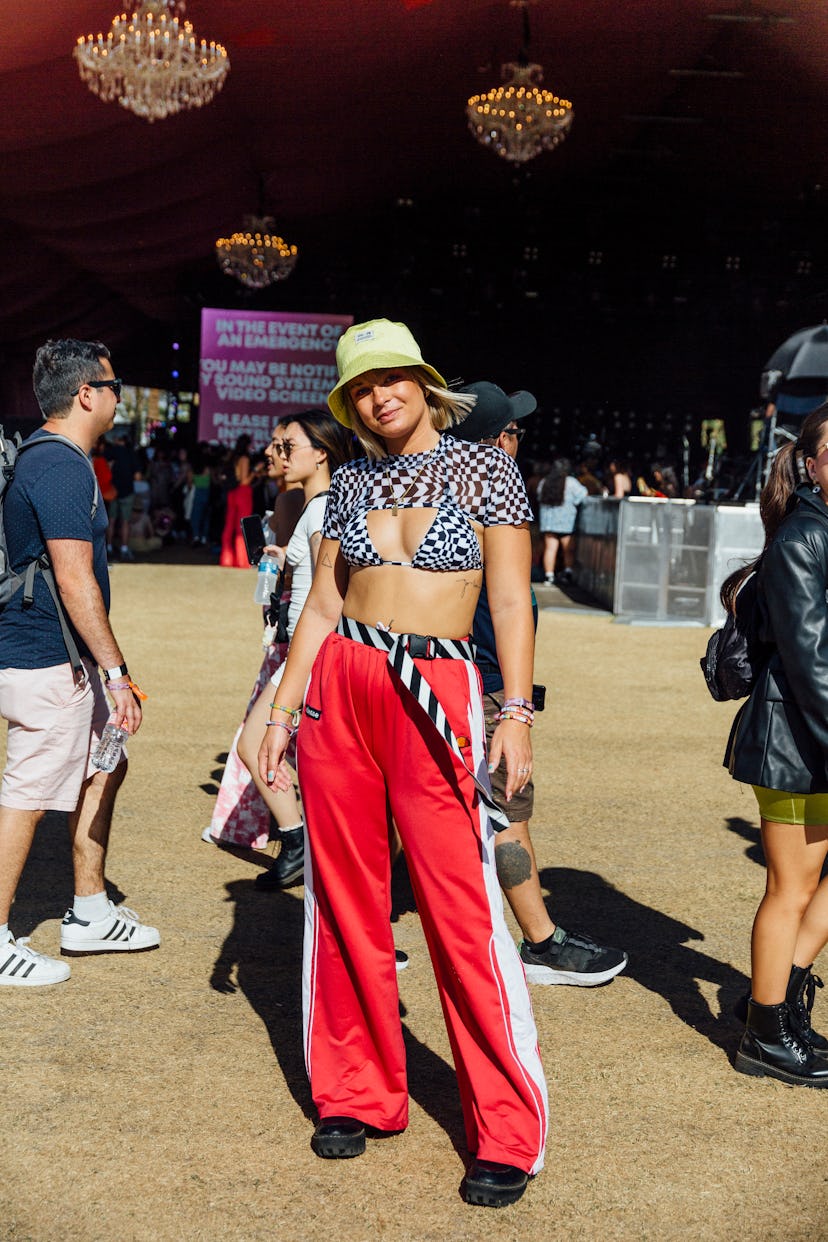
(779, 497)
(325, 434)
(553, 486)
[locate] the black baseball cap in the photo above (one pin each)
(494, 411)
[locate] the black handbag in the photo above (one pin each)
(735, 654)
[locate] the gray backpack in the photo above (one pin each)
(11, 582)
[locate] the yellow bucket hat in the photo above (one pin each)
(373, 346)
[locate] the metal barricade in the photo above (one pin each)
(654, 561)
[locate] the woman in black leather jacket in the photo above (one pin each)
(779, 745)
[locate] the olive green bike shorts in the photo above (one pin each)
(779, 807)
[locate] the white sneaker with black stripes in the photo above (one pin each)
(21, 967)
(119, 932)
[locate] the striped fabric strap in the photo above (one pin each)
(400, 658)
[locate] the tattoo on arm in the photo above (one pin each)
(514, 866)
(326, 561)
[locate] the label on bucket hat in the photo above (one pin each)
(367, 334)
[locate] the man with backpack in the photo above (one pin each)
(54, 634)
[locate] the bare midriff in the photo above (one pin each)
(414, 601)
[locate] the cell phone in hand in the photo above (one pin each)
(253, 537)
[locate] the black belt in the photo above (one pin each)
(402, 651)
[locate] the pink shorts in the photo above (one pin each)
(54, 725)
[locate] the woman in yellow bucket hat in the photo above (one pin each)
(381, 677)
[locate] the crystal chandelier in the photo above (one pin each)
(518, 120)
(256, 257)
(152, 62)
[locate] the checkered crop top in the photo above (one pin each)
(462, 481)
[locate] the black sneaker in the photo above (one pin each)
(576, 960)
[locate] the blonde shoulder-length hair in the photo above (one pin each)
(445, 407)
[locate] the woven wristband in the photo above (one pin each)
(127, 684)
(521, 717)
(295, 713)
(525, 703)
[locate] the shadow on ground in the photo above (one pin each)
(262, 957)
(661, 959)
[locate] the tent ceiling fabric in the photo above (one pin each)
(341, 108)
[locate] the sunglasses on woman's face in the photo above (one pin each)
(518, 432)
(286, 448)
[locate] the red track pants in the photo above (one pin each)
(365, 747)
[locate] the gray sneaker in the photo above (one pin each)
(574, 959)
(21, 967)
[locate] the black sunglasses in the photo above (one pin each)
(520, 432)
(114, 384)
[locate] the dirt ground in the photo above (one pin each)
(164, 1096)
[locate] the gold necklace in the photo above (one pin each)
(397, 500)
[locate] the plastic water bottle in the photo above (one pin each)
(108, 750)
(266, 580)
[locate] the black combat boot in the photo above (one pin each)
(771, 1047)
(802, 986)
(289, 866)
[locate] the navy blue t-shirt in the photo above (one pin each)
(50, 497)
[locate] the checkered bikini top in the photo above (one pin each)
(462, 481)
